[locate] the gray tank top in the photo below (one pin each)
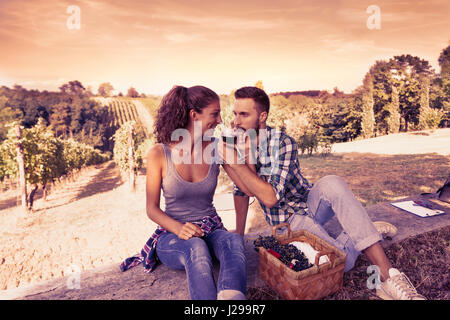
(188, 201)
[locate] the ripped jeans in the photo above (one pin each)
(196, 257)
(331, 200)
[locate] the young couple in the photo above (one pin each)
(190, 232)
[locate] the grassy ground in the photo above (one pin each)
(379, 178)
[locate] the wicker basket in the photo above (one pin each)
(310, 284)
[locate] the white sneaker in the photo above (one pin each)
(398, 287)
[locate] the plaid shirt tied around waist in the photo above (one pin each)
(277, 164)
(148, 256)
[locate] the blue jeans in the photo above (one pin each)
(196, 257)
(330, 197)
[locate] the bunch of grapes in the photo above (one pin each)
(287, 252)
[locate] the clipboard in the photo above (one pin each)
(417, 209)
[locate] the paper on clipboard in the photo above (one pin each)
(416, 209)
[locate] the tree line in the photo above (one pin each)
(401, 94)
(70, 113)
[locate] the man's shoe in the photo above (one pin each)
(398, 287)
(385, 228)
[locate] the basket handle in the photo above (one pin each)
(330, 254)
(324, 253)
(279, 226)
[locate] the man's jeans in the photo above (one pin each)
(196, 256)
(331, 198)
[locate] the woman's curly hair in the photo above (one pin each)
(173, 112)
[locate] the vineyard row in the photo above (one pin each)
(122, 111)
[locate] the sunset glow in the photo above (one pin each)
(153, 45)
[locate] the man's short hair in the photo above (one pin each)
(258, 95)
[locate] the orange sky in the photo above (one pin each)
(153, 45)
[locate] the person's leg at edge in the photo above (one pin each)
(332, 196)
(229, 249)
(193, 256)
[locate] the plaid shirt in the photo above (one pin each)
(148, 256)
(277, 163)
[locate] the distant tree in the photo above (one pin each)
(337, 93)
(143, 95)
(105, 89)
(424, 100)
(338, 119)
(73, 87)
(444, 63)
(60, 120)
(404, 73)
(411, 71)
(279, 112)
(368, 118)
(132, 93)
(355, 103)
(259, 84)
(443, 98)
(382, 75)
(428, 118)
(393, 119)
(301, 103)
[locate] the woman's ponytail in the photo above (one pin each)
(173, 113)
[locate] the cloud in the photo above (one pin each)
(217, 21)
(32, 21)
(223, 40)
(339, 45)
(182, 37)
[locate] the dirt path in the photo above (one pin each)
(144, 115)
(88, 223)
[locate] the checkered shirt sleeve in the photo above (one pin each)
(281, 161)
